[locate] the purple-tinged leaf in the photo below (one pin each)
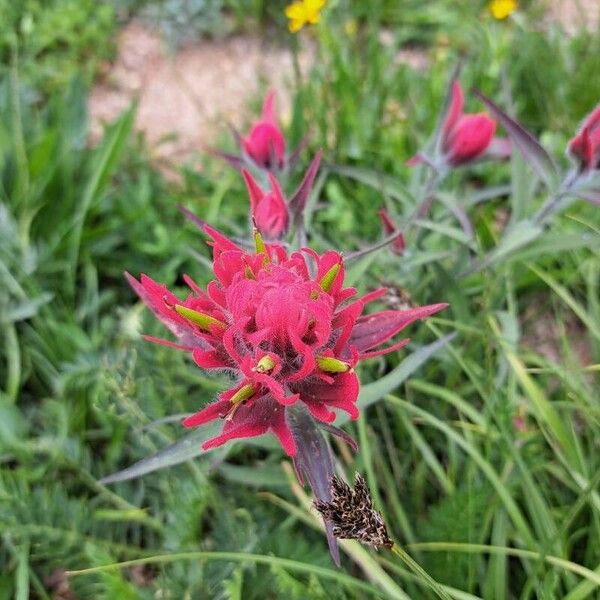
(390, 239)
(460, 214)
(537, 157)
(589, 195)
(499, 149)
(182, 450)
(237, 136)
(339, 433)
(314, 462)
(297, 202)
(372, 392)
(196, 220)
(295, 154)
(376, 328)
(234, 160)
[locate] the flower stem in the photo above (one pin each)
(418, 570)
(552, 203)
(428, 196)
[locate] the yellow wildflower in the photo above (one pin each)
(501, 9)
(303, 12)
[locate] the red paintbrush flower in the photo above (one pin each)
(283, 324)
(265, 144)
(464, 137)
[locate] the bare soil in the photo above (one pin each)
(186, 98)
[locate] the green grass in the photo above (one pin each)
(484, 461)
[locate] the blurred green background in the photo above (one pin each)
(492, 445)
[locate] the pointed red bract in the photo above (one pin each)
(281, 323)
(269, 209)
(464, 137)
(468, 139)
(389, 227)
(265, 144)
(585, 146)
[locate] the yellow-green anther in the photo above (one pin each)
(259, 242)
(332, 365)
(245, 392)
(329, 277)
(261, 247)
(201, 319)
(265, 364)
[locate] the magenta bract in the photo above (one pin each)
(389, 227)
(269, 209)
(284, 325)
(265, 144)
(465, 137)
(585, 146)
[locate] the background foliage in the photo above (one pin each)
(494, 442)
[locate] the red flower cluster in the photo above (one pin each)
(283, 325)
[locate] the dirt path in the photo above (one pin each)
(186, 99)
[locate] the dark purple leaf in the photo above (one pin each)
(297, 202)
(590, 195)
(339, 433)
(200, 223)
(295, 154)
(313, 461)
(537, 157)
(374, 247)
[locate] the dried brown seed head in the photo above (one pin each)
(352, 514)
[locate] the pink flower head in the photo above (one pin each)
(269, 209)
(265, 143)
(389, 227)
(465, 137)
(585, 146)
(284, 325)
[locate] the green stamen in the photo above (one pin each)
(329, 277)
(201, 319)
(261, 247)
(265, 364)
(332, 365)
(245, 392)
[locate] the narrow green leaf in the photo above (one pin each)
(184, 449)
(372, 392)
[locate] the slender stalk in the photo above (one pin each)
(13, 354)
(555, 199)
(423, 208)
(417, 569)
